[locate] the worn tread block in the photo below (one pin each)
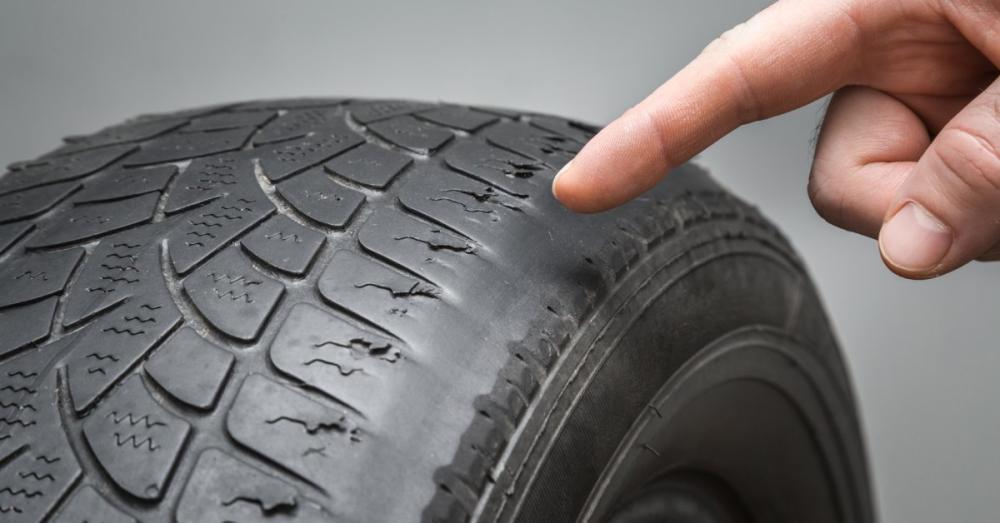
(26, 324)
(369, 165)
(64, 168)
(232, 295)
(372, 111)
(185, 115)
(553, 149)
(231, 120)
(331, 355)
(24, 498)
(191, 369)
(124, 183)
(31, 277)
(284, 245)
(208, 178)
(458, 117)
(223, 488)
(412, 134)
(117, 134)
(32, 202)
(285, 159)
(96, 219)
(465, 204)
(10, 233)
(39, 467)
(431, 251)
(499, 111)
(183, 146)
(206, 230)
(362, 286)
(113, 272)
(116, 342)
(284, 425)
(505, 170)
(289, 103)
(24, 164)
(318, 197)
(296, 124)
(578, 132)
(87, 505)
(136, 441)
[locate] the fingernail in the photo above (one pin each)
(914, 240)
(558, 174)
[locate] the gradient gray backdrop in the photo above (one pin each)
(923, 355)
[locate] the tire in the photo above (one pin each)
(323, 309)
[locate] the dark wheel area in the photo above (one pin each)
(362, 310)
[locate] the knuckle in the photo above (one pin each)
(827, 198)
(725, 41)
(972, 158)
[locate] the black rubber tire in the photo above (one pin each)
(322, 309)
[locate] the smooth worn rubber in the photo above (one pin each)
(355, 310)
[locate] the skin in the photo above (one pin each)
(909, 150)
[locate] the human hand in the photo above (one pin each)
(909, 150)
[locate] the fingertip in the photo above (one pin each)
(574, 194)
(555, 181)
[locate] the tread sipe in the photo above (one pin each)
(299, 310)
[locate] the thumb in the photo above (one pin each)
(947, 212)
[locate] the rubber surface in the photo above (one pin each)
(302, 310)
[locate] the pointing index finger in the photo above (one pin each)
(786, 56)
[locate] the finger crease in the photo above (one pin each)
(753, 107)
(661, 139)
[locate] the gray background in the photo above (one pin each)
(922, 354)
